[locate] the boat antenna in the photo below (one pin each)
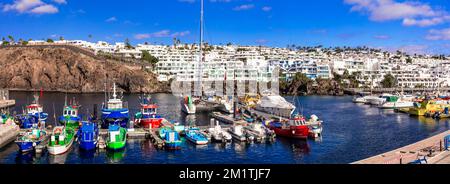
(54, 113)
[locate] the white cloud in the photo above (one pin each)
(111, 19)
(141, 36)
(161, 34)
(45, 9)
(382, 37)
(60, 1)
(31, 6)
(244, 7)
(434, 34)
(187, 1)
(181, 34)
(412, 13)
(261, 41)
(266, 8)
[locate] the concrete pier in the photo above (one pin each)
(430, 150)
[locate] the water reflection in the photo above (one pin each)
(115, 156)
(58, 159)
(25, 158)
(298, 147)
(87, 154)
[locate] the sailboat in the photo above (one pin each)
(189, 103)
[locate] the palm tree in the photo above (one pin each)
(11, 38)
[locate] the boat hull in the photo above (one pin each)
(27, 146)
(88, 145)
(195, 141)
(60, 149)
(150, 122)
(296, 132)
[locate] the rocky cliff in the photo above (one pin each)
(62, 69)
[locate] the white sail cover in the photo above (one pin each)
(275, 101)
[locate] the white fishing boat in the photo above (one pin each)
(315, 126)
(259, 131)
(238, 133)
(61, 140)
(218, 134)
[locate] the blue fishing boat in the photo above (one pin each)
(88, 136)
(172, 140)
(113, 112)
(27, 121)
(195, 136)
(30, 139)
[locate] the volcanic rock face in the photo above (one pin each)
(61, 69)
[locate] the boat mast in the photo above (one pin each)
(200, 49)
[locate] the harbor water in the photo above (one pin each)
(351, 132)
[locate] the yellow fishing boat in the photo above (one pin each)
(427, 106)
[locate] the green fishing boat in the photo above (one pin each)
(61, 140)
(70, 118)
(117, 137)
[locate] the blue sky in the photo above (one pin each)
(412, 26)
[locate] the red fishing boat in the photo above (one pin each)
(295, 127)
(147, 117)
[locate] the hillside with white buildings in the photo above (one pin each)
(232, 62)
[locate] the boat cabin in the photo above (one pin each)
(88, 131)
(34, 108)
(149, 109)
(70, 111)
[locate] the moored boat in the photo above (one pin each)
(147, 117)
(187, 105)
(238, 133)
(117, 137)
(194, 135)
(30, 139)
(218, 134)
(315, 126)
(295, 127)
(276, 105)
(113, 112)
(61, 140)
(172, 140)
(70, 117)
(88, 136)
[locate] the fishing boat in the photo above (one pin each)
(61, 140)
(218, 134)
(113, 112)
(162, 131)
(147, 117)
(30, 139)
(172, 140)
(259, 131)
(295, 127)
(117, 137)
(239, 133)
(314, 126)
(36, 109)
(194, 135)
(187, 105)
(426, 106)
(70, 117)
(88, 136)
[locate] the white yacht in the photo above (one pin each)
(395, 102)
